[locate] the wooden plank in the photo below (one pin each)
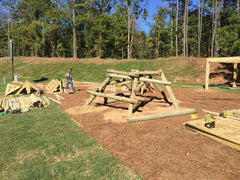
(131, 74)
(235, 59)
(100, 89)
(118, 76)
(132, 97)
(111, 96)
(207, 74)
(235, 73)
(55, 86)
(149, 72)
(154, 81)
(226, 130)
(46, 99)
(54, 100)
(50, 84)
(170, 92)
(160, 115)
(12, 87)
(215, 113)
(26, 85)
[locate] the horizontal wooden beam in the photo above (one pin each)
(131, 74)
(149, 73)
(160, 115)
(235, 59)
(118, 76)
(111, 96)
(155, 81)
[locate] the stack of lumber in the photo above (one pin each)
(17, 87)
(54, 86)
(226, 130)
(23, 103)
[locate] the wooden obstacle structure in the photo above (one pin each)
(54, 86)
(17, 87)
(138, 79)
(234, 60)
(12, 87)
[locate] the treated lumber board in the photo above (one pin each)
(170, 92)
(207, 74)
(56, 101)
(46, 99)
(118, 76)
(111, 96)
(54, 86)
(215, 113)
(27, 85)
(226, 130)
(235, 73)
(149, 72)
(100, 89)
(60, 97)
(235, 59)
(154, 81)
(160, 115)
(132, 97)
(131, 74)
(50, 83)
(12, 87)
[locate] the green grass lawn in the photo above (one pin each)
(47, 144)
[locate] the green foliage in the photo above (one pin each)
(45, 29)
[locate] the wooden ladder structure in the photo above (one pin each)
(138, 79)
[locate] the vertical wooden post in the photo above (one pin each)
(235, 72)
(170, 92)
(100, 89)
(207, 74)
(132, 96)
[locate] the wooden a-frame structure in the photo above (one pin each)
(138, 79)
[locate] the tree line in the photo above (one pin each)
(110, 29)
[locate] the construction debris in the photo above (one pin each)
(54, 86)
(23, 103)
(13, 87)
(17, 87)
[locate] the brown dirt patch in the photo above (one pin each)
(161, 148)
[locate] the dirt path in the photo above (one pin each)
(161, 148)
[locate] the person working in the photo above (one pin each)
(68, 75)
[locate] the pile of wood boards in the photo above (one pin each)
(54, 86)
(17, 87)
(23, 103)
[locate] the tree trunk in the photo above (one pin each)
(74, 30)
(200, 15)
(172, 27)
(216, 24)
(238, 9)
(128, 12)
(43, 41)
(185, 30)
(177, 28)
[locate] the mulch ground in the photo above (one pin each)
(162, 148)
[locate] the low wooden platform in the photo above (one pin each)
(226, 131)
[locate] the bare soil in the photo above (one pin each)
(162, 148)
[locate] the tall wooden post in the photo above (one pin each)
(235, 72)
(207, 74)
(130, 107)
(11, 56)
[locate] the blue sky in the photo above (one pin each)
(151, 7)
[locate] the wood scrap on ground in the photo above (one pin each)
(23, 103)
(226, 130)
